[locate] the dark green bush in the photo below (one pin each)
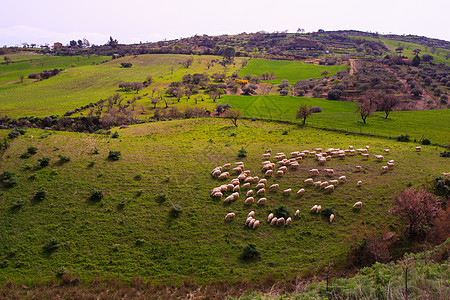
(426, 142)
(250, 253)
(44, 161)
(6, 175)
(32, 150)
(114, 155)
(403, 138)
(40, 195)
(161, 198)
(445, 154)
(115, 135)
(282, 211)
(176, 211)
(96, 195)
(25, 155)
(442, 186)
(18, 204)
(63, 159)
(52, 246)
(327, 211)
(242, 152)
(10, 182)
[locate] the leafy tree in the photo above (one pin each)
(233, 115)
(399, 50)
(73, 43)
(416, 92)
(416, 61)
(367, 105)
(112, 42)
(303, 112)
(386, 103)
(187, 63)
(417, 51)
(427, 57)
(325, 73)
(418, 208)
(229, 53)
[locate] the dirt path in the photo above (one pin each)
(352, 66)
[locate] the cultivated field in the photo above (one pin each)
(290, 70)
(128, 233)
(343, 116)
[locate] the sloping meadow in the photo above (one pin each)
(155, 217)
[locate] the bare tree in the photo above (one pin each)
(367, 105)
(233, 115)
(386, 103)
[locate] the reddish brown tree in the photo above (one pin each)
(419, 208)
(367, 105)
(386, 103)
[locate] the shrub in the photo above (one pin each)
(25, 155)
(442, 187)
(126, 64)
(40, 195)
(242, 152)
(445, 154)
(250, 253)
(334, 94)
(284, 92)
(403, 138)
(10, 182)
(52, 246)
(175, 211)
(18, 204)
(16, 132)
(285, 132)
(161, 198)
(114, 155)
(63, 159)
(426, 142)
(327, 211)
(44, 161)
(32, 150)
(115, 135)
(282, 211)
(6, 175)
(96, 195)
(316, 109)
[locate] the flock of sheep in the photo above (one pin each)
(279, 168)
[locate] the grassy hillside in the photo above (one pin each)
(342, 116)
(290, 70)
(127, 233)
(79, 86)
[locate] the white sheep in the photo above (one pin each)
(230, 187)
(246, 185)
(365, 155)
(247, 172)
(283, 168)
(314, 172)
(268, 173)
(418, 148)
(359, 183)
(237, 170)
(280, 173)
(263, 181)
(446, 175)
(301, 192)
(273, 221)
(329, 172)
(266, 155)
(342, 178)
(249, 193)
(331, 218)
(251, 223)
(262, 201)
(384, 168)
(230, 216)
(255, 179)
(274, 187)
(329, 187)
(236, 188)
(314, 208)
(317, 183)
(249, 201)
(281, 221)
(224, 175)
(318, 209)
(235, 181)
(239, 163)
(379, 157)
(242, 176)
(367, 147)
(218, 195)
(270, 217)
(390, 165)
(216, 173)
(260, 186)
(251, 214)
(223, 188)
(350, 147)
(297, 213)
(288, 221)
(256, 224)
(358, 168)
(248, 179)
(235, 195)
(261, 192)
(228, 199)
(387, 151)
(248, 220)
(324, 184)
(308, 181)
(287, 192)
(357, 205)
(334, 182)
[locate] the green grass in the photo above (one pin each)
(341, 116)
(104, 238)
(290, 70)
(82, 85)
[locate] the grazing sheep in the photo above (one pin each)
(352, 152)
(329, 172)
(218, 195)
(418, 148)
(266, 162)
(249, 193)
(216, 173)
(250, 224)
(261, 192)
(236, 188)
(328, 157)
(251, 214)
(288, 221)
(268, 173)
(314, 208)
(283, 168)
(379, 157)
(391, 161)
(365, 155)
(387, 151)
(342, 179)
(224, 175)
(223, 188)
(255, 179)
(317, 184)
(230, 187)
(235, 195)
(384, 168)
(266, 155)
(228, 199)
(318, 209)
(331, 218)
(256, 224)
(247, 172)
(249, 201)
(329, 187)
(334, 181)
(270, 217)
(214, 190)
(287, 192)
(273, 221)
(357, 204)
(301, 192)
(246, 185)
(263, 181)
(324, 184)
(237, 170)
(390, 165)
(358, 168)
(230, 216)
(309, 181)
(322, 161)
(260, 186)
(318, 149)
(235, 181)
(242, 176)
(239, 163)
(281, 221)
(280, 173)
(314, 172)
(446, 175)
(248, 179)
(297, 213)
(359, 183)
(367, 147)
(274, 187)
(262, 201)
(248, 220)
(295, 154)
(350, 147)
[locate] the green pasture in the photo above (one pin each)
(431, 124)
(82, 85)
(290, 70)
(128, 234)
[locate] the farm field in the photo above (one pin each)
(82, 85)
(128, 233)
(342, 116)
(290, 70)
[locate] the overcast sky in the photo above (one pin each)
(133, 21)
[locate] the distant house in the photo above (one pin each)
(57, 45)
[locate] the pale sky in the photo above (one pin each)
(133, 21)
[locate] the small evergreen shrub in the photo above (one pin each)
(161, 198)
(176, 211)
(32, 150)
(18, 204)
(250, 253)
(96, 195)
(63, 159)
(52, 246)
(114, 155)
(242, 152)
(25, 155)
(115, 135)
(327, 211)
(282, 212)
(403, 138)
(445, 154)
(426, 142)
(44, 161)
(6, 175)
(10, 182)
(40, 195)
(315, 109)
